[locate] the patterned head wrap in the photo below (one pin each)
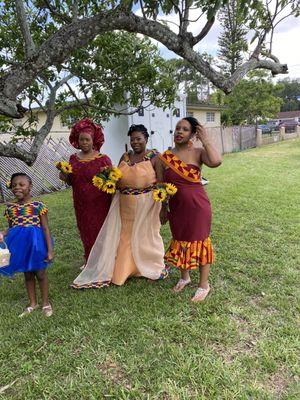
(87, 126)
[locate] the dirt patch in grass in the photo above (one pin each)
(113, 372)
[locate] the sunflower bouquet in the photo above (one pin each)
(164, 191)
(64, 167)
(107, 179)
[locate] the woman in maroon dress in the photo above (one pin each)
(91, 205)
(190, 210)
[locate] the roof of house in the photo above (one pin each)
(288, 114)
(203, 106)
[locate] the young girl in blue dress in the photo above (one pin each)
(29, 241)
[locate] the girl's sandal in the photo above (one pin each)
(28, 310)
(180, 285)
(47, 310)
(200, 294)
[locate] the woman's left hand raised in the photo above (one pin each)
(202, 134)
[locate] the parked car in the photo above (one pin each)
(289, 124)
(273, 125)
(264, 128)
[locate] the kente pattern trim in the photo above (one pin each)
(189, 255)
(136, 191)
(147, 157)
(181, 168)
(25, 214)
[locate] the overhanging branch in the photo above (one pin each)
(21, 16)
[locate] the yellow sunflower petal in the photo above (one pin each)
(171, 189)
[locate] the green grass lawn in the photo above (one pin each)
(141, 341)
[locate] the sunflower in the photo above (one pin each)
(115, 174)
(98, 182)
(109, 187)
(159, 195)
(66, 168)
(8, 184)
(58, 165)
(171, 189)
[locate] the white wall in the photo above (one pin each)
(161, 122)
(115, 132)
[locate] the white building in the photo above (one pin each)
(159, 123)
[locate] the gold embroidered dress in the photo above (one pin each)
(129, 243)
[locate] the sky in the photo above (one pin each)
(285, 42)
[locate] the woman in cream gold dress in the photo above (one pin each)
(129, 243)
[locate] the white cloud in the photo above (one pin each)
(286, 49)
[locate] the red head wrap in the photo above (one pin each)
(87, 126)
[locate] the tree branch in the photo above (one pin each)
(13, 150)
(75, 35)
(21, 15)
(75, 10)
(54, 12)
(207, 27)
(184, 20)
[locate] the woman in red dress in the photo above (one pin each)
(190, 210)
(91, 205)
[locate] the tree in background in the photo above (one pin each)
(232, 42)
(195, 85)
(47, 32)
(117, 74)
(252, 100)
(39, 38)
(290, 94)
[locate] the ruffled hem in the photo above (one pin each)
(189, 255)
(92, 285)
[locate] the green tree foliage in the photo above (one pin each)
(115, 71)
(232, 41)
(253, 100)
(51, 53)
(196, 86)
(290, 94)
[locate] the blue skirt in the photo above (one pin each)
(28, 249)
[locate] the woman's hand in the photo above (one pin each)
(163, 215)
(202, 135)
(1, 237)
(63, 177)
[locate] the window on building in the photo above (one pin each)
(177, 112)
(210, 117)
(153, 115)
(141, 112)
(168, 115)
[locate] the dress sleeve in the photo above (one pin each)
(106, 161)
(42, 208)
(5, 214)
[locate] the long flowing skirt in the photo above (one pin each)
(128, 244)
